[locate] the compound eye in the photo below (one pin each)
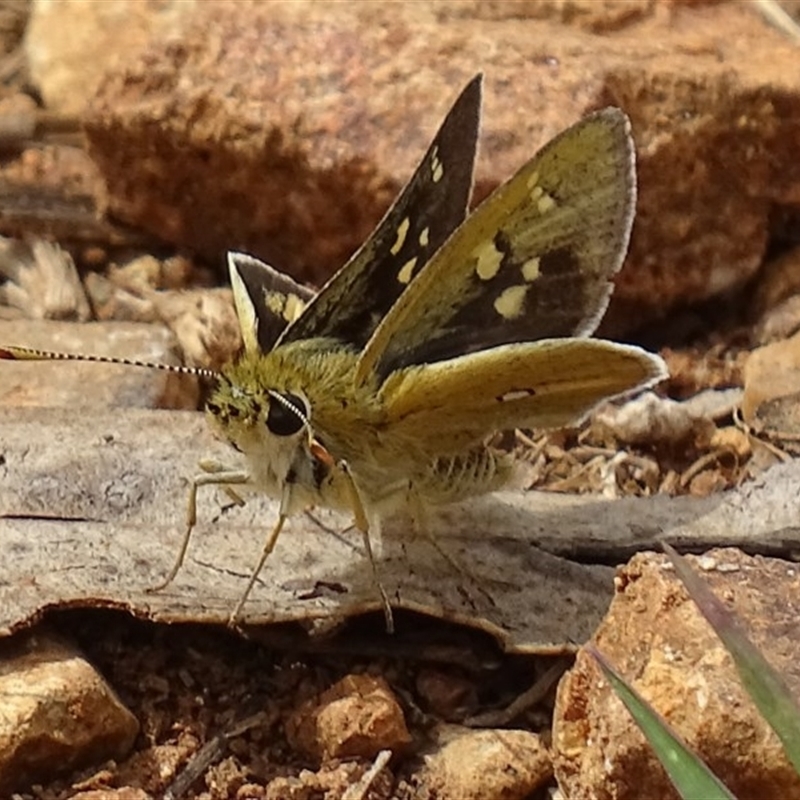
(287, 414)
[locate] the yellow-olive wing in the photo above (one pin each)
(534, 261)
(450, 405)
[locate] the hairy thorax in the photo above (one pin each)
(349, 422)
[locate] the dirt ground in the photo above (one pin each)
(191, 685)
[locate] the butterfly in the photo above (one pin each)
(384, 390)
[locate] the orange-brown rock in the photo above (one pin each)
(357, 717)
(286, 129)
(656, 637)
(58, 713)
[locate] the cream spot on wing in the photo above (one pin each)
(275, 302)
(402, 230)
(533, 179)
(407, 270)
(489, 260)
(424, 237)
(546, 203)
(437, 168)
(293, 308)
(286, 306)
(516, 394)
(530, 269)
(246, 314)
(540, 198)
(511, 302)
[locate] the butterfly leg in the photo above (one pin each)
(212, 465)
(269, 546)
(217, 475)
(330, 530)
(362, 523)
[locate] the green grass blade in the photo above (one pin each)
(763, 683)
(690, 776)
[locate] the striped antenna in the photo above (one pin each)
(13, 353)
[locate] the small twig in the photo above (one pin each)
(208, 754)
(776, 15)
(358, 791)
(528, 699)
(51, 213)
(573, 481)
(34, 128)
(340, 535)
(704, 461)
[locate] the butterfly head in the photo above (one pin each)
(272, 428)
(256, 417)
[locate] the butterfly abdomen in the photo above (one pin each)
(481, 470)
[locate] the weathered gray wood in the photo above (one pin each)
(92, 507)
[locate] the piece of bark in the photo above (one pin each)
(92, 506)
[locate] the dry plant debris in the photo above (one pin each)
(220, 716)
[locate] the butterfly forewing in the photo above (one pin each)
(431, 206)
(533, 261)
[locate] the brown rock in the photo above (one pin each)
(58, 713)
(446, 693)
(771, 401)
(590, 15)
(125, 793)
(113, 302)
(655, 636)
(285, 130)
(68, 68)
(358, 716)
(696, 369)
(772, 373)
(85, 385)
(127, 293)
(485, 765)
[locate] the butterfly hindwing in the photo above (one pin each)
(431, 206)
(546, 384)
(266, 301)
(533, 261)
